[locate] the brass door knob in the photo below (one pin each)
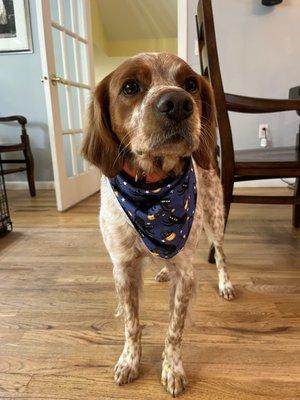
(54, 79)
(57, 79)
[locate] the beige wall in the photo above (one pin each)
(109, 54)
(103, 62)
(130, 47)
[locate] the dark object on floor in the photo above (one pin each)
(245, 165)
(294, 93)
(5, 221)
(23, 146)
(270, 2)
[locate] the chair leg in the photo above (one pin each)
(296, 208)
(227, 190)
(211, 254)
(29, 167)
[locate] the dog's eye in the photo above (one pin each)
(191, 85)
(131, 87)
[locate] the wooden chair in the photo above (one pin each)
(245, 165)
(23, 146)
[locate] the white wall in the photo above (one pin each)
(259, 54)
(22, 93)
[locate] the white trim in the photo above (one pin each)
(263, 183)
(69, 190)
(72, 131)
(68, 82)
(68, 32)
(182, 34)
(23, 185)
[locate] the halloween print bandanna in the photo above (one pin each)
(161, 212)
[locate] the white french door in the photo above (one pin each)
(66, 51)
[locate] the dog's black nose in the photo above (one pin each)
(175, 105)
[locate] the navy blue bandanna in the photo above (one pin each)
(161, 212)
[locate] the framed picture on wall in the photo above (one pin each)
(15, 30)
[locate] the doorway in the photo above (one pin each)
(72, 57)
(123, 28)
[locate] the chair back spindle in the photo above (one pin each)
(209, 65)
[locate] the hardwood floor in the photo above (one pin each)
(59, 338)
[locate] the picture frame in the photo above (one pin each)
(15, 27)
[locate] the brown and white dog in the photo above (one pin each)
(148, 115)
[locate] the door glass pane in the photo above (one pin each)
(63, 106)
(78, 141)
(67, 13)
(81, 19)
(76, 112)
(54, 10)
(82, 106)
(67, 155)
(74, 14)
(56, 37)
(86, 98)
(84, 66)
(71, 58)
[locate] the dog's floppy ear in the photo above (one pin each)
(100, 146)
(205, 155)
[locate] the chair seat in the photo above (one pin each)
(278, 161)
(13, 170)
(5, 148)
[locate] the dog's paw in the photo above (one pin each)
(226, 290)
(163, 275)
(126, 370)
(173, 378)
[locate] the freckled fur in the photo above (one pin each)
(133, 122)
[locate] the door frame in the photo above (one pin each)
(182, 51)
(182, 32)
(81, 185)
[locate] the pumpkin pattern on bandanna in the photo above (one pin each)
(162, 213)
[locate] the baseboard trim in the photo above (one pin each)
(264, 183)
(23, 185)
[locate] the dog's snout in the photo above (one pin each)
(175, 105)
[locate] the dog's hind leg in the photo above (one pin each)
(182, 287)
(213, 222)
(127, 280)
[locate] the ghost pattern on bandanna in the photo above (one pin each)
(162, 213)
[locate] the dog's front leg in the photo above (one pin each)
(127, 280)
(212, 200)
(182, 286)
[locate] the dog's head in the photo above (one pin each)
(153, 108)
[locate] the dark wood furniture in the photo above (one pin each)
(5, 221)
(24, 146)
(245, 165)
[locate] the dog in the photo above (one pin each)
(151, 120)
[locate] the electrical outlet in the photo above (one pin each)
(263, 130)
(263, 134)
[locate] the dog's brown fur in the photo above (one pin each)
(110, 114)
(128, 129)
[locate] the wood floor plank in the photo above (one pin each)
(59, 338)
